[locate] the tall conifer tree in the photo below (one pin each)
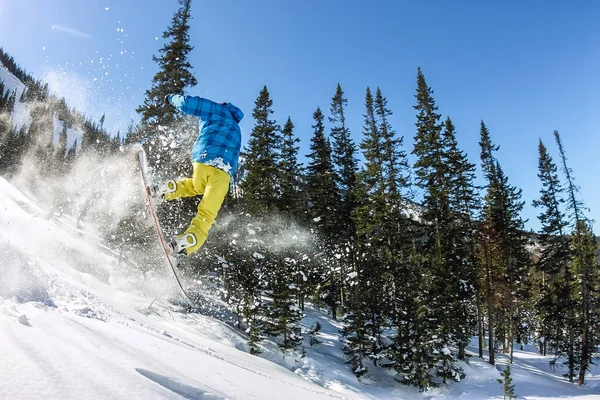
(504, 241)
(363, 311)
(322, 191)
(464, 204)
(555, 305)
(345, 162)
(382, 279)
(292, 197)
(443, 309)
(323, 205)
(262, 154)
(174, 74)
(61, 150)
(163, 130)
(585, 267)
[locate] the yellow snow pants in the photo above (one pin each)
(213, 184)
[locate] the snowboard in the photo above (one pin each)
(171, 260)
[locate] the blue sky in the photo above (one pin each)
(525, 67)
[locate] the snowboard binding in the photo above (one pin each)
(160, 189)
(179, 244)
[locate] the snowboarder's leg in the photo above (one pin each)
(215, 184)
(189, 187)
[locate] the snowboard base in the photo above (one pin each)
(171, 260)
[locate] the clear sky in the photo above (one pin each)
(525, 67)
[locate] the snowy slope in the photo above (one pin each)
(73, 326)
(77, 323)
(11, 82)
(21, 113)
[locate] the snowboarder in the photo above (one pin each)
(214, 159)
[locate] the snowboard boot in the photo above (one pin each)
(180, 243)
(158, 191)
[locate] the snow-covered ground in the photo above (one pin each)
(20, 115)
(11, 82)
(78, 323)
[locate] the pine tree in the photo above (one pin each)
(11, 101)
(505, 259)
(282, 314)
(292, 197)
(9, 62)
(71, 156)
(345, 163)
(12, 149)
(464, 203)
(6, 131)
(446, 177)
(261, 183)
(3, 97)
(346, 166)
(242, 273)
(8, 141)
(380, 285)
(255, 329)
(440, 285)
(488, 241)
(575, 206)
(174, 74)
(394, 158)
(516, 258)
(374, 185)
(508, 388)
(60, 150)
(555, 305)
(585, 268)
(357, 342)
(358, 330)
(323, 203)
(388, 205)
(322, 191)
(162, 130)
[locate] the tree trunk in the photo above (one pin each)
(505, 338)
(480, 326)
(461, 350)
(334, 300)
(584, 337)
(510, 333)
(585, 294)
(584, 355)
(570, 334)
(490, 303)
(543, 347)
(571, 356)
(491, 334)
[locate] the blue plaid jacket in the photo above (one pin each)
(220, 139)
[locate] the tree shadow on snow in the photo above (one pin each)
(175, 385)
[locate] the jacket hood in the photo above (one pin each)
(236, 113)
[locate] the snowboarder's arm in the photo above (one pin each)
(192, 105)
